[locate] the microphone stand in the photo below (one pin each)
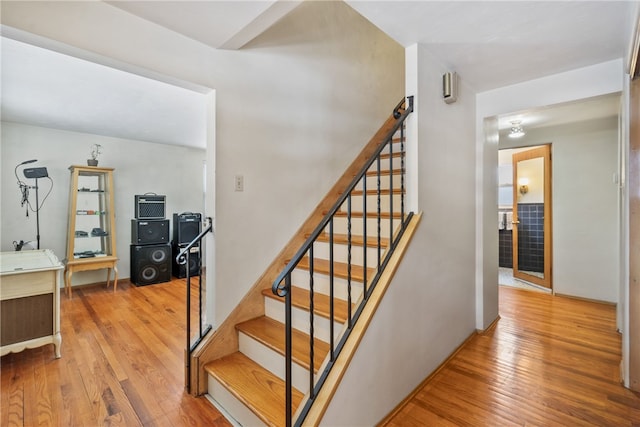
(37, 217)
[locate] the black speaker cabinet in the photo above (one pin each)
(150, 264)
(148, 206)
(186, 227)
(180, 270)
(149, 231)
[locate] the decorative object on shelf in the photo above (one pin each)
(95, 152)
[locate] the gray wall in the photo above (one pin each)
(140, 167)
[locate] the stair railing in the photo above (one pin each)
(282, 285)
(184, 258)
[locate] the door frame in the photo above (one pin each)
(544, 152)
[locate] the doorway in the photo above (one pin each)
(524, 218)
(532, 215)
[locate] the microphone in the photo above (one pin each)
(26, 162)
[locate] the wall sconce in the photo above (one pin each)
(516, 130)
(450, 87)
(523, 184)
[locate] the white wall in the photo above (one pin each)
(582, 83)
(140, 167)
(292, 110)
(429, 308)
(585, 206)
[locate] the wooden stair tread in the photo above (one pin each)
(321, 302)
(356, 240)
(384, 215)
(385, 172)
(261, 391)
(395, 154)
(271, 333)
(383, 192)
(340, 269)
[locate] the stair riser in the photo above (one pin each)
(238, 410)
(340, 226)
(321, 284)
(300, 320)
(273, 361)
(372, 203)
(340, 253)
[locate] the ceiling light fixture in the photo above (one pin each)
(516, 129)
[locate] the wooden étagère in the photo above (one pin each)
(91, 242)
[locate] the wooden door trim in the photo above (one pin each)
(544, 151)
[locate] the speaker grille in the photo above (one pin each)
(149, 207)
(150, 264)
(186, 227)
(180, 270)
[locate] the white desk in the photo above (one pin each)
(30, 298)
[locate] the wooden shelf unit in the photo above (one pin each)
(91, 240)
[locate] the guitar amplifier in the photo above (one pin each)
(149, 232)
(149, 206)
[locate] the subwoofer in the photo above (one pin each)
(186, 227)
(150, 264)
(180, 270)
(149, 231)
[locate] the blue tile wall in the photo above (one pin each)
(505, 248)
(531, 237)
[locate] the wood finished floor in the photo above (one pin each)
(122, 364)
(549, 361)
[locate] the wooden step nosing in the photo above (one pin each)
(244, 398)
(279, 346)
(338, 317)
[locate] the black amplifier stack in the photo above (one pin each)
(150, 247)
(186, 227)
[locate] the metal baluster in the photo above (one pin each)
(311, 326)
(379, 214)
(390, 191)
(331, 282)
(402, 155)
(349, 258)
(287, 350)
(188, 326)
(364, 231)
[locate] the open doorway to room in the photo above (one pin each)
(524, 218)
(584, 187)
(157, 135)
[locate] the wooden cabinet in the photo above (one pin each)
(91, 241)
(30, 300)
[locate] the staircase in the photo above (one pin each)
(276, 373)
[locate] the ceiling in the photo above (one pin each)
(489, 44)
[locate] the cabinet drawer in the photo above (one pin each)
(22, 285)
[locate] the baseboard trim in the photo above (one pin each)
(489, 328)
(597, 301)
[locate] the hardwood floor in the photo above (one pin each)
(122, 364)
(549, 361)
